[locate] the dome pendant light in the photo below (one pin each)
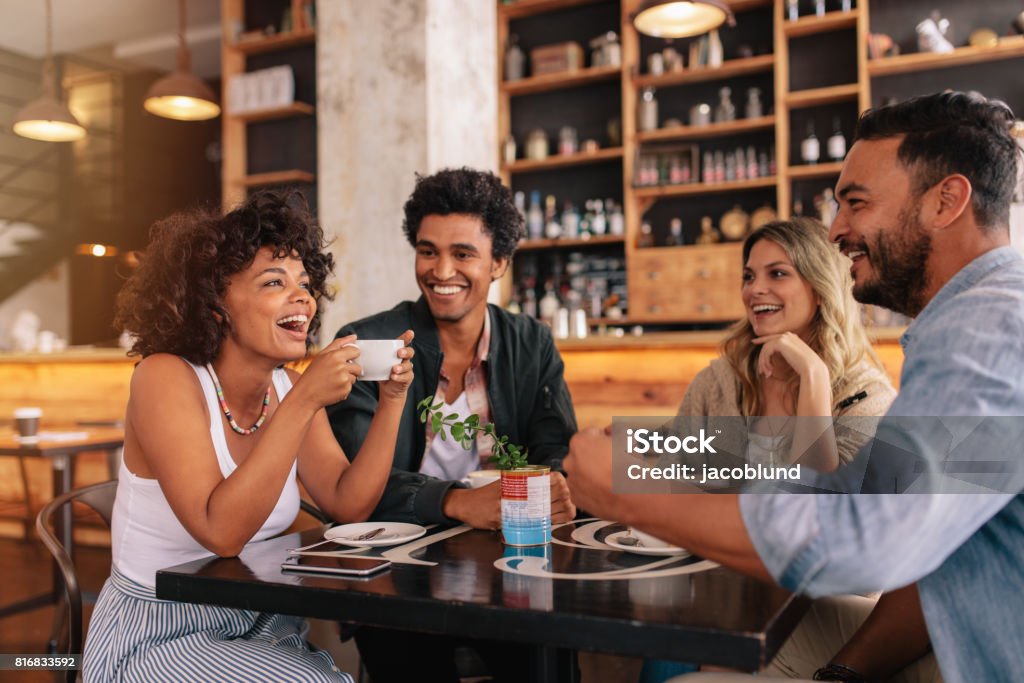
(47, 119)
(182, 95)
(681, 18)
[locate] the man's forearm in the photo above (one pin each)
(718, 533)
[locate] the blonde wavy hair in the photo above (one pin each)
(837, 335)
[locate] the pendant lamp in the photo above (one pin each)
(47, 118)
(681, 18)
(182, 95)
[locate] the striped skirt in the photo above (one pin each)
(132, 636)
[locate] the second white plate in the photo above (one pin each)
(615, 541)
(393, 534)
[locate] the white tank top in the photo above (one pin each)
(145, 533)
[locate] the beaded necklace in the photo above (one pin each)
(227, 413)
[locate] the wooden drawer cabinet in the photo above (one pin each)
(686, 283)
(702, 300)
(672, 265)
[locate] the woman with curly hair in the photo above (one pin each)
(217, 434)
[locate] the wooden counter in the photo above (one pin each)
(607, 376)
(649, 374)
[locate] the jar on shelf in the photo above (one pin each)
(537, 145)
(567, 140)
(647, 111)
(515, 60)
(508, 150)
(754, 108)
(726, 110)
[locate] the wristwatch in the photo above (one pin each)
(838, 672)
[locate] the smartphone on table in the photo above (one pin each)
(358, 567)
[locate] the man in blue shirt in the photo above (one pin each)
(924, 216)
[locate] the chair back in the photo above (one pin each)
(100, 497)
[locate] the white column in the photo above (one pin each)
(403, 87)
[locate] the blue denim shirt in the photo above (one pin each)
(964, 356)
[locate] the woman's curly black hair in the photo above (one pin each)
(173, 303)
(466, 191)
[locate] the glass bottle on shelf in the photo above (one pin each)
(753, 168)
(819, 8)
(719, 166)
(846, 5)
(570, 222)
(715, 53)
(647, 111)
(741, 164)
(730, 167)
(552, 228)
(771, 161)
(549, 304)
(537, 145)
(708, 172)
(599, 223)
(792, 10)
(515, 60)
(646, 237)
(520, 201)
(754, 108)
(708, 233)
(616, 221)
(534, 217)
(675, 233)
(725, 111)
(513, 306)
(508, 149)
(567, 140)
(810, 149)
(836, 143)
(530, 299)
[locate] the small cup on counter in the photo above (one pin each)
(26, 421)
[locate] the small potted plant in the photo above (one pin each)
(525, 488)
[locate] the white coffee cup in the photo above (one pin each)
(26, 420)
(648, 541)
(481, 478)
(377, 357)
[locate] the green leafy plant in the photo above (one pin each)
(506, 456)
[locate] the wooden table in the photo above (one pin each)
(60, 453)
(466, 583)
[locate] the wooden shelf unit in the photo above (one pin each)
(563, 160)
(278, 178)
(561, 81)
(236, 178)
(815, 97)
(712, 130)
(293, 109)
(280, 41)
(1007, 48)
(809, 171)
(596, 240)
(660, 191)
(831, 21)
(731, 68)
(847, 93)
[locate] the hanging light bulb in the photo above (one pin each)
(182, 95)
(47, 118)
(681, 18)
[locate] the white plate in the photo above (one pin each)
(393, 534)
(615, 541)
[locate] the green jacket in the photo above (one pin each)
(529, 402)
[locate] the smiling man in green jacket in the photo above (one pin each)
(475, 358)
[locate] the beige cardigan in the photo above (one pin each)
(714, 393)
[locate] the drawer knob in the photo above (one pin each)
(704, 273)
(704, 308)
(654, 275)
(655, 308)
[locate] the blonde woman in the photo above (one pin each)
(800, 350)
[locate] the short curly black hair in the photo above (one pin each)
(173, 302)
(466, 191)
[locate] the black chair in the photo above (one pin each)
(100, 497)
